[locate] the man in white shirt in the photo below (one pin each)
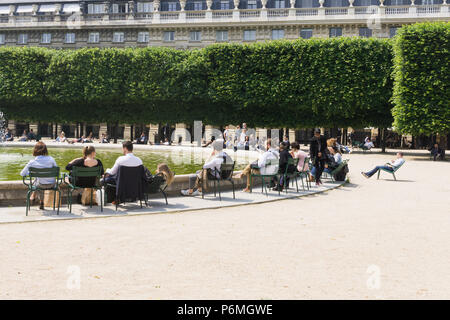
(127, 160)
(394, 164)
(210, 169)
(259, 166)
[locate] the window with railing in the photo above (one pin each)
(2, 38)
(224, 5)
(171, 6)
(306, 33)
(251, 4)
(280, 4)
(119, 8)
(46, 38)
(95, 8)
(198, 6)
(336, 3)
(335, 32)
(222, 35)
(143, 7)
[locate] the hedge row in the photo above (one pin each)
(422, 79)
(320, 82)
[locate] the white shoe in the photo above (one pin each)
(195, 193)
(185, 192)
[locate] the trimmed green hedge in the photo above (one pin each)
(321, 82)
(422, 79)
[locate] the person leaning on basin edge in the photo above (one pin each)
(41, 160)
(389, 166)
(211, 169)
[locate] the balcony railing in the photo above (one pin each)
(242, 15)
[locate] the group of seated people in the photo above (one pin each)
(273, 161)
(26, 136)
(88, 160)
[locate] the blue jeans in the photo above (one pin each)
(375, 170)
(313, 171)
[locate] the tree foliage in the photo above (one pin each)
(320, 82)
(422, 79)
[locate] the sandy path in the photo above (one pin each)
(330, 245)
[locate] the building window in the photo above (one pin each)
(46, 38)
(222, 35)
(23, 38)
(94, 37)
(196, 36)
(224, 5)
(249, 35)
(143, 37)
(392, 31)
(335, 3)
(2, 38)
(70, 38)
(306, 4)
(119, 8)
(280, 4)
(306, 33)
(277, 34)
(198, 6)
(144, 7)
(335, 32)
(95, 8)
(365, 32)
(251, 4)
(169, 36)
(172, 6)
(118, 37)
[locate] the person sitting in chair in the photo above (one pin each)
(389, 166)
(259, 166)
(211, 169)
(142, 139)
(436, 152)
(9, 136)
(127, 160)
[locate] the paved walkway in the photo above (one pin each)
(158, 205)
(368, 239)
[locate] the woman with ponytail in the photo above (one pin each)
(87, 161)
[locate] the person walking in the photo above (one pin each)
(318, 151)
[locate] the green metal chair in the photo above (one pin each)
(42, 173)
(391, 172)
(270, 162)
(304, 174)
(83, 172)
(225, 174)
(158, 184)
(293, 175)
(335, 170)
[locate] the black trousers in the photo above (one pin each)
(320, 166)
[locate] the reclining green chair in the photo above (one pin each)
(391, 172)
(42, 173)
